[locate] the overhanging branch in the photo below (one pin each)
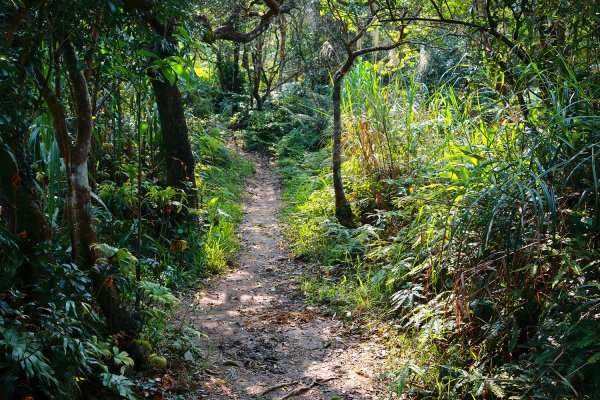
(229, 32)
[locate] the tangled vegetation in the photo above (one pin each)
(439, 163)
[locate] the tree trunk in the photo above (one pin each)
(21, 209)
(246, 66)
(79, 195)
(228, 68)
(282, 52)
(237, 83)
(75, 156)
(175, 142)
(257, 61)
(343, 211)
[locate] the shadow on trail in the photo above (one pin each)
(261, 334)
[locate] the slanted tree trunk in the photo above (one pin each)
(343, 211)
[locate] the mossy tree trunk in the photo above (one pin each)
(175, 142)
(21, 209)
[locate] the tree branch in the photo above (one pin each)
(523, 56)
(229, 32)
(82, 99)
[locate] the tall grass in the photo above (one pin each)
(380, 121)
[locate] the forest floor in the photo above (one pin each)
(264, 341)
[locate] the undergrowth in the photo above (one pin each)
(54, 340)
(477, 245)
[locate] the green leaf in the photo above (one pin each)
(594, 358)
(146, 53)
(157, 361)
(169, 74)
(495, 389)
(107, 250)
(119, 384)
(158, 294)
(183, 33)
(179, 70)
(188, 356)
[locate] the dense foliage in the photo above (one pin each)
(439, 161)
(474, 189)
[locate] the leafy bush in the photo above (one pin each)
(51, 341)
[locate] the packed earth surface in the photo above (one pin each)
(264, 341)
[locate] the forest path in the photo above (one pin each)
(260, 331)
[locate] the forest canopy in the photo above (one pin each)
(439, 163)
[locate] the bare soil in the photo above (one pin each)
(261, 332)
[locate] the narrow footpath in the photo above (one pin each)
(264, 341)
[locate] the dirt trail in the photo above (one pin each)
(260, 331)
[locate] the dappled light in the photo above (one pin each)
(260, 333)
(299, 199)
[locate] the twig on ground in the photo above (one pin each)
(278, 386)
(303, 389)
(232, 363)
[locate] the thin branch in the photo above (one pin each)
(437, 9)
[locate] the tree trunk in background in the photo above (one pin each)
(228, 69)
(237, 81)
(246, 66)
(257, 61)
(343, 211)
(282, 52)
(21, 209)
(175, 142)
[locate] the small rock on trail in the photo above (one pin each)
(264, 341)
